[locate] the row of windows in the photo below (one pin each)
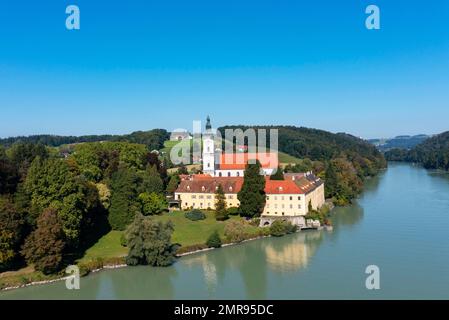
(268, 212)
(282, 198)
(201, 205)
(229, 174)
(207, 197)
(283, 206)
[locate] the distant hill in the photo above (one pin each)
(316, 144)
(400, 142)
(433, 153)
(153, 139)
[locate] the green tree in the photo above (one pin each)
(221, 213)
(124, 202)
(8, 174)
(151, 181)
(278, 175)
(214, 240)
(51, 183)
(173, 184)
(44, 247)
(149, 242)
(252, 194)
(152, 203)
(12, 232)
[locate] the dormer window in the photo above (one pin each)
(230, 189)
(280, 189)
(203, 188)
(188, 188)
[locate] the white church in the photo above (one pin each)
(220, 164)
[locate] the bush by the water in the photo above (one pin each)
(280, 227)
(195, 215)
(214, 240)
(235, 231)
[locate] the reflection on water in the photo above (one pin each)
(292, 256)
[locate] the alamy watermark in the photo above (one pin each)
(372, 282)
(72, 282)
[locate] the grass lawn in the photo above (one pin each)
(285, 158)
(186, 233)
(106, 247)
(189, 232)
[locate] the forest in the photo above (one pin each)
(433, 153)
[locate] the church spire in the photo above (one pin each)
(208, 125)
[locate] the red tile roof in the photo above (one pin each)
(238, 161)
(208, 184)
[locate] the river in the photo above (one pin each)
(400, 224)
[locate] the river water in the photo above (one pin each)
(400, 224)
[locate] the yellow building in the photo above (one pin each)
(284, 198)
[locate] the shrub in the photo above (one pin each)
(235, 231)
(214, 240)
(233, 211)
(279, 228)
(195, 215)
(255, 222)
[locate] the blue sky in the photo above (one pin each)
(138, 65)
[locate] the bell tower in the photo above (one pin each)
(208, 150)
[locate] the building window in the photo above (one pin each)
(230, 197)
(283, 206)
(186, 204)
(291, 206)
(219, 174)
(201, 197)
(201, 204)
(299, 198)
(208, 197)
(208, 204)
(238, 174)
(299, 206)
(282, 198)
(291, 198)
(275, 198)
(229, 174)
(275, 206)
(208, 165)
(282, 213)
(179, 197)
(193, 196)
(268, 198)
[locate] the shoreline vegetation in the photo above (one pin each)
(117, 263)
(74, 201)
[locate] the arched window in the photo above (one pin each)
(229, 174)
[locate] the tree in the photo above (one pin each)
(152, 203)
(44, 247)
(173, 183)
(182, 170)
(214, 240)
(309, 207)
(8, 174)
(252, 195)
(221, 213)
(278, 175)
(51, 183)
(124, 203)
(149, 242)
(12, 231)
(151, 181)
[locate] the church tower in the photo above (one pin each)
(208, 150)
